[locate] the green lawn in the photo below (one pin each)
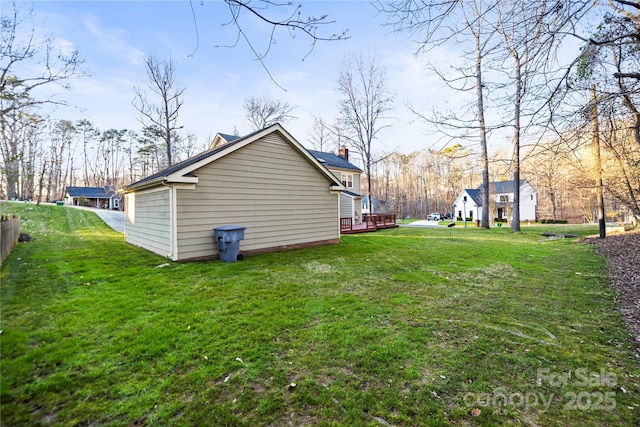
(407, 326)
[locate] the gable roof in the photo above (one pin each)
(498, 187)
(228, 137)
(91, 192)
(222, 139)
(331, 160)
(182, 171)
(503, 186)
(476, 195)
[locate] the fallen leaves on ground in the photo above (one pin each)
(622, 252)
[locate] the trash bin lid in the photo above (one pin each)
(230, 227)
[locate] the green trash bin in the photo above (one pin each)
(59, 203)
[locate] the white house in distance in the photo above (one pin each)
(469, 202)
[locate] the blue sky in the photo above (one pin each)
(113, 37)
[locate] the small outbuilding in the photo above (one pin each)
(265, 181)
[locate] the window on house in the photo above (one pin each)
(347, 180)
(532, 197)
(116, 203)
(504, 198)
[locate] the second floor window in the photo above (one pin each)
(504, 198)
(347, 180)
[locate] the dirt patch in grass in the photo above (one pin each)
(622, 252)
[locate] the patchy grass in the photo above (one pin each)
(404, 326)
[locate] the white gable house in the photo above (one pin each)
(501, 196)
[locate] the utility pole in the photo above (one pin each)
(596, 151)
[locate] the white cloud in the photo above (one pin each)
(115, 42)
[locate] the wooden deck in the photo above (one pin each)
(369, 223)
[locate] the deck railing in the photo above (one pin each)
(346, 224)
(369, 223)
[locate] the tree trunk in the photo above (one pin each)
(515, 221)
(484, 157)
(598, 164)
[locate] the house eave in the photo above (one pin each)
(336, 189)
(146, 184)
(181, 179)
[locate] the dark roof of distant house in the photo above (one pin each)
(228, 137)
(502, 186)
(333, 160)
(476, 195)
(91, 192)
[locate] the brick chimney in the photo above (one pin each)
(344, 153)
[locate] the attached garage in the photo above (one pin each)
(265, 181)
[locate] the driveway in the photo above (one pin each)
(114, 219)
(425, 223)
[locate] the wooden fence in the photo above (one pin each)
(10, 226)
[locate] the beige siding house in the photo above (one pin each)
(265, 181)
(349, 175)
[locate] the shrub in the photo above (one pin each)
(553, 221)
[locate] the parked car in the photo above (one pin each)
(435, 216)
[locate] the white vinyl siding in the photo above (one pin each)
(528, 202)
(147, 222)
(266, 186)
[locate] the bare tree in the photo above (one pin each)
(88, 135)
(281, 18)
(609, 60)
(531, 33)
(262, 112)
(364, 102)
(163, 110)
(440, 22)
(319, 136)
(328, 137)
(20, 47)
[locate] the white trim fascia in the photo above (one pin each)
(173, 221)
(181, 179)
(338, 215)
